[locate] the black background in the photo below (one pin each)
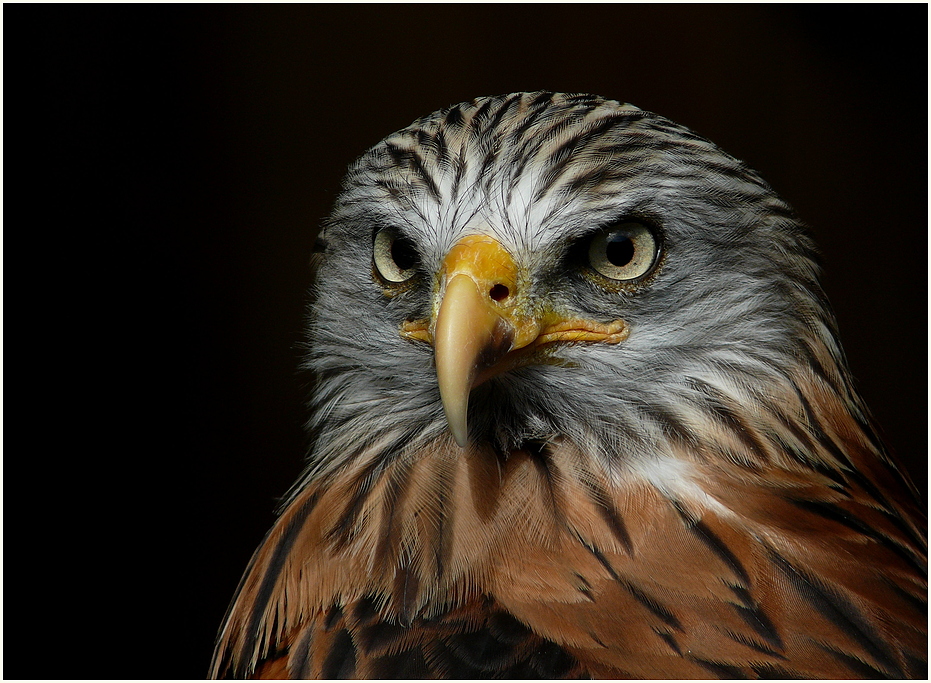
(166, 168)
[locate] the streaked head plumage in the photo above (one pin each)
(731, 297)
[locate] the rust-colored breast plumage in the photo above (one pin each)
(536, 566)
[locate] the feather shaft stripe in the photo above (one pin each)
(362, 487)
(539, 456)
(858, 666)
(756, 618)
(819, 434)
(748, 642)
(407, 158)
(775, 673)
(534, 111)
(476, 130)
(272, 573)
(599, 496)
(670, 640)
(441, 149)
(671, 425)
(720, 670)
(340, 662)
(837, 514)
(392, 499)
(840, 612)
(453, 119)
(598, 555)
(490, 146)
(364, 484)
(299, 664)
(461, 168)
(442, 539)
(491, 156)
(561, 157)
(714, 544)
(406, 591)
(812, 362)
(718, 406)
(917, 603)
(653, 605)
(892, 512)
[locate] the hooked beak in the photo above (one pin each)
(486, 325)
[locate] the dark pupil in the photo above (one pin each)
(402, 251)
(620, 250)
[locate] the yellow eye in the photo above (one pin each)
(624, 251)
(395, 256)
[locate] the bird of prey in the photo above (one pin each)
(580, 411)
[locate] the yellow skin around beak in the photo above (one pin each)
(485, 326)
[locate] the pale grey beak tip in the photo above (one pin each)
(460, 431)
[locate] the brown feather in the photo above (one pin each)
(774, 556)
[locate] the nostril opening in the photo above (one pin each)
(499, 292)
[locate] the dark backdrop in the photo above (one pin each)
(166, 168)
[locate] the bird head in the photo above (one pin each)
(539, 266)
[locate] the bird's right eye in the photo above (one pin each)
(395, 257)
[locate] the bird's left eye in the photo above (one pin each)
(395, 256)
(623, 251)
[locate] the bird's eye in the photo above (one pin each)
(624, 251)
(395, 256)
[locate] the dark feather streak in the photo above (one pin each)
(391, 501)
(333, 617)
(476, 129)
(409, 665)
(340, 662)
(859, 668)
(341, 533)
(818, 432)
(752, 644)
(539, 455)
(653, 606)
(406, 590)
(442, 540)
(561, 157)
(846, 518)
(299, 664)
(270, 578)
(840, 612)
(670, 640)
(453, 119)
(717, 406)
(720, 670)
(411, 159)
(609, 514)
(756, 619)
(714, 543)
(773, 672)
